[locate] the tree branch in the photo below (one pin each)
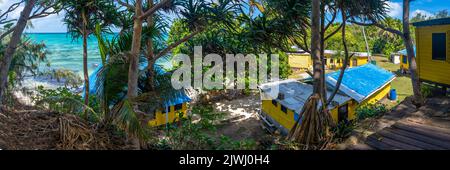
(334, 32)
(381, 26)
(154, 9)
(6, 33)
(127, 5)
(41, 12)
(177, 43)
(10, 9)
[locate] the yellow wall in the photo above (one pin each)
(161, 117)
(305, 62)
(432, 70)
(351, 111)
(300, 61)
(380, 94)
(288, 121)
(360, 61)
(404, 66)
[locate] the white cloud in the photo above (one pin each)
(50, 24)
(395, 9)
(422, 12)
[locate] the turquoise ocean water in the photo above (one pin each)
(66, 52)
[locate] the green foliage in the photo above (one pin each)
(26, 60)
(422, 17)
(370, 110)
(426, 90)
(68, 77)
(343, 129)
(64, 100)
(97, 12)
(189, 135)
(226, 143)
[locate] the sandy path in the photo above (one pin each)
(241, 118)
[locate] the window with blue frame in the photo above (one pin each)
(439, 46)
(405, 59)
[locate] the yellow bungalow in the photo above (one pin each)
(364, 84)
(280, 110)
(302, 60)
(282, 101)
(171, 114)
(433, 51)
(404, 63)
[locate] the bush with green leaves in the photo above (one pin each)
(64, 100)
(343, 129)
(426, 90)
(370, 110)
(199, 135)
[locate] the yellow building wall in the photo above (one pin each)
(380, 94)
(404, 66)
(173, 116)
(288, 121)
(305, 61)
(300, 61)
(338, 63)
(432, 70)
(351, 111)
(284, 119)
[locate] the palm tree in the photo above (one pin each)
(81, 18)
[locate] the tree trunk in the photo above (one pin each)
(322, 55)
(150, 51)
(346, 60)
(313, 126)
(85, 66)
(315, 48)
(133, 72)
(418, 98)
(12, 46)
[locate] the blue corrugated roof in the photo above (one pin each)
(404, 52)
(160, 66)
(361, 82)
(440, 21)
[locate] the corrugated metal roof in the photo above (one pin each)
(361, 82)
(329, 52)
(295, 94)
(440, 21)
(405, 53)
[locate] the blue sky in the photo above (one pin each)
(54, 23)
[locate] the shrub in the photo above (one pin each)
(343, 129)
(370, 110)
(426, 90)
(64, 100)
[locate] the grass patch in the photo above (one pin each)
(402, 83)
(386, 64)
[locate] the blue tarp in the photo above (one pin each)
(160, 66)
(403, 52)
(361, 82)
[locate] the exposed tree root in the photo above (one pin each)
(43, 130)
(314, 130)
